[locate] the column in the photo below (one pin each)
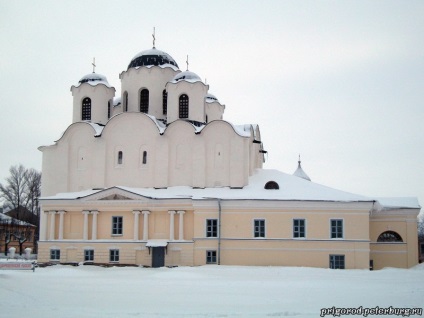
(61, 215)
(52, 225)
(94, 225)
(136, 220)
(43, 225)
(171, 225)
(85, 230)
(181, 226)
(145, 225)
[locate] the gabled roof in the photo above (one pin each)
(291, 188)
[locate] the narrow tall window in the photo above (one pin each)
(164, 102)
(183, 106)
(144, 157)
(259, 228)
(108, 109)
(337, 261)
(86, 109)
(336, 228)
(120, 157)
(116, 225)
(125, 101)
(144, 101)
(212, 228)
(299, 228)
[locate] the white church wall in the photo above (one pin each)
(196, 93)
(100, 96)
(152, 78)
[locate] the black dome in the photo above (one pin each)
(152, 57)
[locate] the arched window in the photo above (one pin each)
(164, 102)
(86, 109)
(144, 157)
(120, 157)
(389, 236)
(108, 109)
(272, 185)
(183, 106)
(144, 101)
(125, 102)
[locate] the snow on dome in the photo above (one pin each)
(92, 78)
(211, 98)
(187, 76)
(300, 173)
(152, 57)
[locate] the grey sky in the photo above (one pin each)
(340, 82)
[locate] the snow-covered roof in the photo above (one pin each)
(186, 76)
(157, 243)
(291, 187)
(94, 79)
(16, 221)
(398, 202)
(209, 98)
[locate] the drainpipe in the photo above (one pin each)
(219, 232)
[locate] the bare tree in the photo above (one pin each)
(421, 227)
(14, 192)
(21, 192)
(17, 230)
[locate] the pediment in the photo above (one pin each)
(114, 194)
(115, 197)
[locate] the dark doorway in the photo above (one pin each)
(158, 256)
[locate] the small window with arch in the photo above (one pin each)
(389, 236)
(183, 106)
(272, 185)
(86, 109)
(144, 157)
(144, 101)
(120, 157)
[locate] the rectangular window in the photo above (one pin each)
(299, 228)
(88, 255)
(113, 255)
(337, 261)
(336, 228)
(210, 257)
(259, 228)
(55, 255)
(116, 225)
(211, 228)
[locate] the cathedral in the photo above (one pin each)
(156, 177)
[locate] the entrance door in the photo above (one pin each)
(158, 256)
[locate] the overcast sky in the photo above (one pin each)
(340, 82)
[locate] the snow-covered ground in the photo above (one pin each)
(206, 291)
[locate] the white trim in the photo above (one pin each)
(343, 229)
(306, 232)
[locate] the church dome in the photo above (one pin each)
(152, 57)
(186, 76)
(94, 79)
(210, 98)
(300, 173)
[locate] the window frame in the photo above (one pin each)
(144, 100)
(117, 225)
(211, 229)
(55, 254)
(183, 106)
(86, 108)
(211, 257)
(259, 231)
(337, 261)
(114, 255)
(299, 228)
(335, 232)
(88, 255)
(164, 102)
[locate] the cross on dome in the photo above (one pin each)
(154, 37)
(94, 65)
